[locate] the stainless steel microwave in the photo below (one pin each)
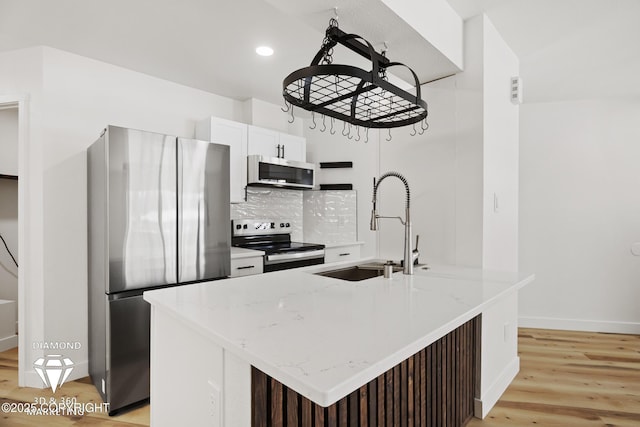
(277, 172)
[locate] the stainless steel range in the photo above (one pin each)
(273, 237)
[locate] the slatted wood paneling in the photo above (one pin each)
(434, 387)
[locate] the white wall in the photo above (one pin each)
(324, 147)
(436, 21)
(428, 163)
(580, 214)
(266, 115)
(469, 147)
(79, 98)
(500, 158)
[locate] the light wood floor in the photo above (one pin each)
(566, 379)
(571, 379)
(81, 389)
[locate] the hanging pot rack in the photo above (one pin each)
(351, 94)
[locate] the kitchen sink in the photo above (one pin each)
(358, 272)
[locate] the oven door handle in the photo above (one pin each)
(297, 256)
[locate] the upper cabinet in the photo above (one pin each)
(270, 143)
(246, 139)
(233, 134)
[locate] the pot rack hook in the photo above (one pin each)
(287, 106)
(345, 132)
(349, 133)
(324, 125)
(358, 133)
(313, 118)
(422, 127)
(293, 118)
(389, 138)
(414, 130)
(366, 136)
(332, 131)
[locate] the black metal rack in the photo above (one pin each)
(348, 93)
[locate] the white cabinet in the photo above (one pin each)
(342, 253)
(270, 143)
(246, 139)
(293, 147)
(246, 266)
(234, 135)
(499, 339)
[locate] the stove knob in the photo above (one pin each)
(238, 226)
(273, 225)
(244, 226)
(287, 225)
(281, 225)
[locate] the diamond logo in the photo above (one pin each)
(53, 369)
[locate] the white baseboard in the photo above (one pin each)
(8, 342)
(579, 325)
(32, 379)
(489, 399)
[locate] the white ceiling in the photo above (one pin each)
(569, 49)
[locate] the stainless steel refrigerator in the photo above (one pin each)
(158, 216)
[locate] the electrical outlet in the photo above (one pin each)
(214, 404)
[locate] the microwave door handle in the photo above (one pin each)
(278, 150)
(283, 151)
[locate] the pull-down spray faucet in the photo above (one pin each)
(409, 254)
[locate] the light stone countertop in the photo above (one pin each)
(326, 337)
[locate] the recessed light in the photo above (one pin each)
(264, 51)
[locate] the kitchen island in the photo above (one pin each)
(295, 345)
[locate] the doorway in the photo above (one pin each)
(13, 168)
(8, 226)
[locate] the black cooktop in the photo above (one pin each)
(274, 248)
(277, 243)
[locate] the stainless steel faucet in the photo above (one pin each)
(409, 255)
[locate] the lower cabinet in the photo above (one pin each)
(500, 340)
(246, 266)
(342, 253)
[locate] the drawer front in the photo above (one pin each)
(246, 266)
(343, 253)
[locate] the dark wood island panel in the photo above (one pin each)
(434, 387)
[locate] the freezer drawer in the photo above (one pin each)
(128, 351)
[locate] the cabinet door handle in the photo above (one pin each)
(283, 151)
(344, 254)
(246, 267)
(278, 150)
